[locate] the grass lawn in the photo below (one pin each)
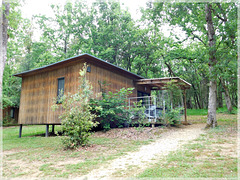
(202, 112)
(38, 156)
(212, 155)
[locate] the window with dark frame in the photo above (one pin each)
(60, 90)
(88, 68)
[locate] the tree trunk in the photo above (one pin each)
(234, 99)
(226, 96)
(196, 97)
(219, 98)
(205, 92)
(228, 101)
(189, 104)
(3, 45)
(212, 98)
(195, 102)
(65, 47)
(170, 69)
(212, 105)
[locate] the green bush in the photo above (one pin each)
(138, 113)
(77, 119)
(112, 109)
(174, 97)
(8, 121)
(173, 117)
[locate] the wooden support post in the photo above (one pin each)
(20, 131)
(47, 130)
(53, 128)
(185, 105)
(185, 108)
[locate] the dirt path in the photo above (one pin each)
(135, 162)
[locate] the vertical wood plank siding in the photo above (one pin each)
(39, 89)
(113, 80)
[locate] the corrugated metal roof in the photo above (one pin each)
(71, 58)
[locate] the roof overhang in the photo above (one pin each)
(162, 83)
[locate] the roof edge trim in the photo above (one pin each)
(81, 55)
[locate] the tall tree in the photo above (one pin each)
(110, 31)
(3, 43)
(212, 24)
(18, 47)
(212, 101)
(150, 50)
(4, 12)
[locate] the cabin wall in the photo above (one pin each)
(38, 93)
(114, 81)
(39, 90)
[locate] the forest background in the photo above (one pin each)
(206, 59)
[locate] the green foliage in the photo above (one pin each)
(173, 117)
(225, 110)
(138, 115)
(77, 119)
(14, 17)
(175, 94)
(67, 33)
(11, 85)
(108, 31)
(8, 121)
(103, 29)
(192, 57)
(111, 109)
(11, 88)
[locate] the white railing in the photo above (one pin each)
(154, 107)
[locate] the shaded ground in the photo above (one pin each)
(134, 133)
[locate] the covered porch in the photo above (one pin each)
(156, 102)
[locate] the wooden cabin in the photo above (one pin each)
(40, 86)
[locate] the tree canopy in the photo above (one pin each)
(204, 53)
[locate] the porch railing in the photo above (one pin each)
(154, 107)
